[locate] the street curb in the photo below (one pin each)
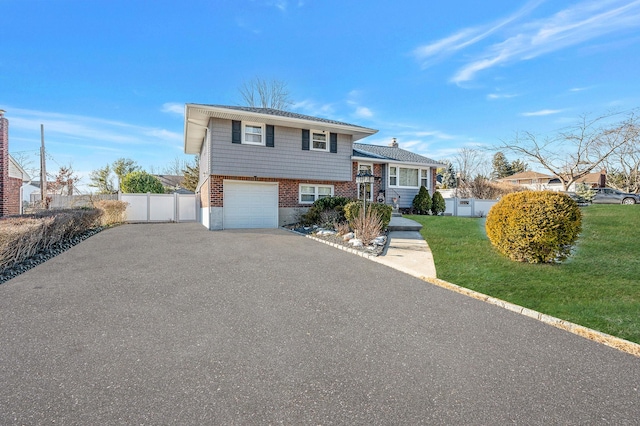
(588, 333)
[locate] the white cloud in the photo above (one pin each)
(517, 39)
(542, 112)
(363, 112)
(173, 107)
(496, 96)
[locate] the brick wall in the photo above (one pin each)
(288, 189)
(12, 202)
(4, 166)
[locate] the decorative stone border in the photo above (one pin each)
(588, 333)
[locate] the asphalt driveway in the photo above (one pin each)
(173, 324)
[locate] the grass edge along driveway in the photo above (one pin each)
(598, 287)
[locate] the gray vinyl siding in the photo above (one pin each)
(406, 196)
(286, 160)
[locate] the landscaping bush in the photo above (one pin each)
(422, 201)
(113, 211)
(352, 211)
(325, 210)
(24, 236)
(367, 226)
(139, 182)
(438, 206)
(534, 226)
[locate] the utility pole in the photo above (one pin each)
(43, 168)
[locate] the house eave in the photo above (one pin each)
(392, 161)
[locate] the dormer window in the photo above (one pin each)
(319, 140)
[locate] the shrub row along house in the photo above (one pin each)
(260, 167)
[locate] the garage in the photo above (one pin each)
(250, 204)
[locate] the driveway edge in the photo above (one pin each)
(588, 333)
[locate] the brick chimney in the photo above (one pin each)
(4, 165)
(394, 143)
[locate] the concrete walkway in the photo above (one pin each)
(407, 251)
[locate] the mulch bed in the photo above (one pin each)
(336, 239)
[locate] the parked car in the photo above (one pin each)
(613, 196)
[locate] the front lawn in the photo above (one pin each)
(598, 287)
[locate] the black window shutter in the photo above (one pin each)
(236, 132)
(333, 142)
(270, 136)
(305, 140)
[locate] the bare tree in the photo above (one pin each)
(574, 152)
(175, 167)
(265, 94)
(27, 160)
(471, 162)
(623, 168)
(65, 181)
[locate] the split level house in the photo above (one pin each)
(262, 168)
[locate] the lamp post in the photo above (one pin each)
(363, 178)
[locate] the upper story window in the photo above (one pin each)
(253, 133)
(319, 140)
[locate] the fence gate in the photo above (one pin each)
(160, 207)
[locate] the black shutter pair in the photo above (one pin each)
(236, 134)
(333, 141)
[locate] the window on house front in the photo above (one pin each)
(424, 178)
(408, 177)
(253, 134)
(311, 193)
(319, 141)
(393, 176)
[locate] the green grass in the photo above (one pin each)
(598, 287)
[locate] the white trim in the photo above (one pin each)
(262, 133)
(315, 192)
(327, 140)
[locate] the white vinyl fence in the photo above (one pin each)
(160, 207)
(469, 207)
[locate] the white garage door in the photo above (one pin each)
(250, 205)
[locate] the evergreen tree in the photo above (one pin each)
(422, 201)
(449, 180)
(501, 166)
(518, 166)
(102, 181)
(191, 176)
(438, 205)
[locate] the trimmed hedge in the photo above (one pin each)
(534, 226)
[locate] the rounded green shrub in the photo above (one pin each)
(534, 226)
(352, 210)
(333, 205)
(140, 183)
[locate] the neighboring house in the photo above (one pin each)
(540, 181)
(12, 176)
(261, 168)
(173, 184)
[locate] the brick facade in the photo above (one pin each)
(5, 186)
(288, 189)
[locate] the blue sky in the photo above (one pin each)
(109, 79)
